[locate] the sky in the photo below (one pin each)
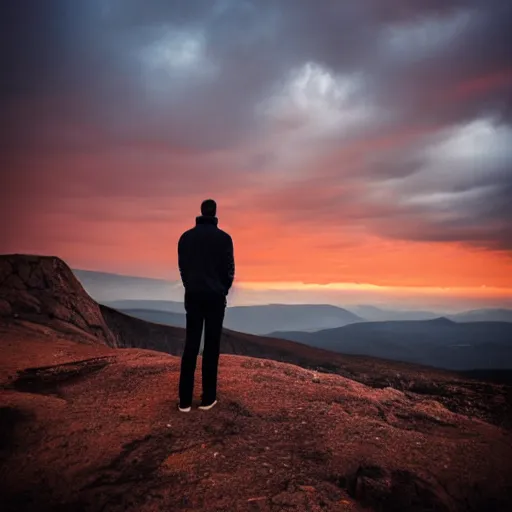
(350, 145)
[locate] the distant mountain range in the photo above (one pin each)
(375, 314)
(105, 286)
(440, 342)
(293, 317)
(483, 315)
(249, 319)
(138, 293)
(306, 317)
(163, 306)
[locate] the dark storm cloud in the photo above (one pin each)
(484, 222)
(92, 53)
(172, 77)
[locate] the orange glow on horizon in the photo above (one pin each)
(482, 291)
(267, 253)
(281, 235)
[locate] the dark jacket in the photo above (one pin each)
(205, 258)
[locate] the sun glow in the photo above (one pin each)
(399, 290)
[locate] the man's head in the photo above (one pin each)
(209, 208)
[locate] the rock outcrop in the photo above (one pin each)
(43, 289)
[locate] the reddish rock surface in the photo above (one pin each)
(44, 289)
(88, 426)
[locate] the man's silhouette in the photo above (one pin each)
(207, 268)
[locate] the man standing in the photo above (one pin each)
(207, 268)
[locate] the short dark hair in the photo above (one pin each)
(209, 208)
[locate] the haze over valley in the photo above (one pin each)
(468, 340)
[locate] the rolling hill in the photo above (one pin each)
(146, 305)
(124, 292)
(440, 342)
(377, 314)
(483, 315)
(158, 317)
(295, 317)
(307, 317)
(249, 319)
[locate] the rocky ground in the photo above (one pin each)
(92, 428)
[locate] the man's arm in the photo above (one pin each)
(230, 263)
(182, 260)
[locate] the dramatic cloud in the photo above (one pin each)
(338, 126)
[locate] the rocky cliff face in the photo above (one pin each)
(43, 290)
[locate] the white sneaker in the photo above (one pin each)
(184, 409)
(207, 407)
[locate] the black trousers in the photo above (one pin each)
(206, 310)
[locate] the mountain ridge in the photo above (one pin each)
(486, 345)
(254, 319)
(114, 290)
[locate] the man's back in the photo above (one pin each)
(205, 258)
(207, 267)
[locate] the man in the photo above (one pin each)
(207, 268)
